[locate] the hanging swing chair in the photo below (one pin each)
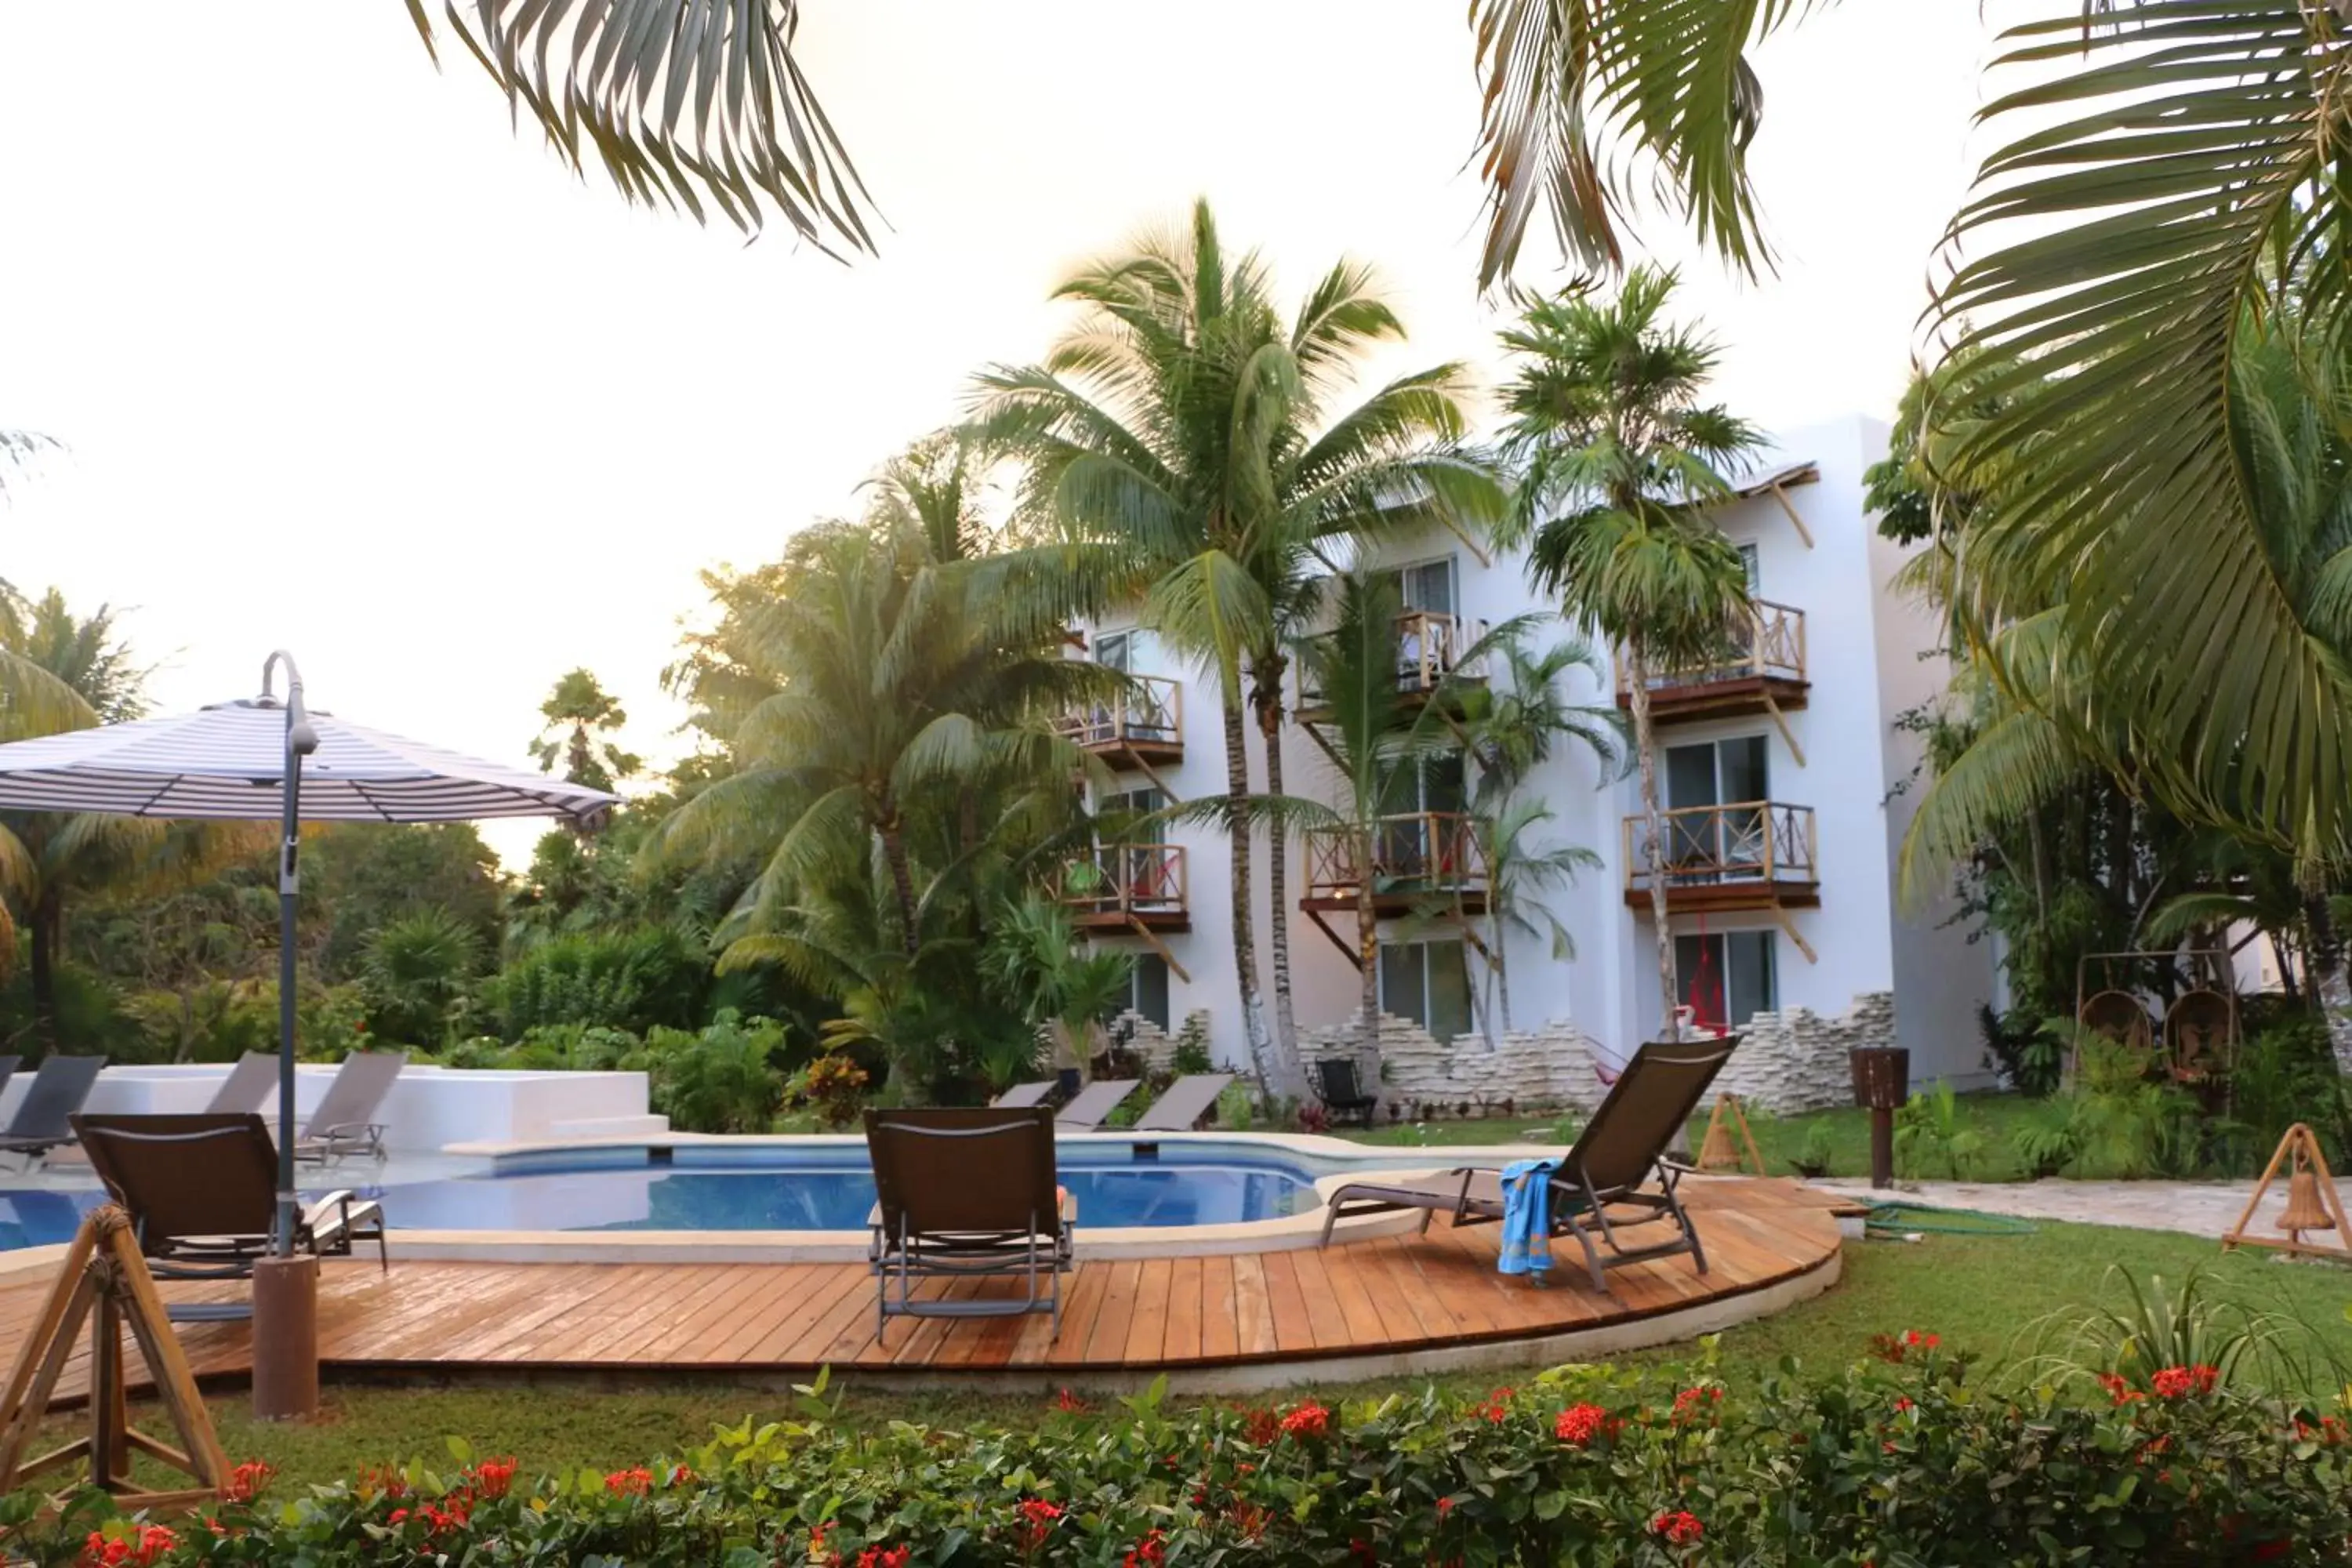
(2201, 1038)
(2117, 1015)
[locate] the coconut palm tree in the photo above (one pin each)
(1624, 468)
(1186, 445)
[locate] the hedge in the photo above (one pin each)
(1904, 1459)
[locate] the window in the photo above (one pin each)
(1126, 651)
(1119, 818)
(1427, 587)
(1727, 977)
(1755, 574)
(1147, 990)
(1703, 845)
(1429, 983)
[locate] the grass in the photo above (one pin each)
(1779, 1139)
(1981, 1294)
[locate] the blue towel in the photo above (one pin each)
(1526, 1216)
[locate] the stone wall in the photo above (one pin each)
(1155, 1044)
(1787, 1062)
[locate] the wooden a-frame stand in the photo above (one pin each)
(1717, 1151)
(2299, 1152)
(105, 1280)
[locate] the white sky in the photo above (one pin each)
(345, 366)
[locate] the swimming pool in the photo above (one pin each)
(790, 1187)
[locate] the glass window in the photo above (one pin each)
(1428, 587)
(1427, 983)
(1149, 986)
(1120, 650)
(1726, 979)
(1747, 558)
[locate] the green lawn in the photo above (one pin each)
(1779, 1139)
(1981, 1294)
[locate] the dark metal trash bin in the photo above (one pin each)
(1882, 1082)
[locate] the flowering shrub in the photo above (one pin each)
(831, 1085)
(1906, 1460)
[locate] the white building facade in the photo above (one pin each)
(1788, 784)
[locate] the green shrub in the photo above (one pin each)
(721, 1080)
(634, 980)
(2125, 1124)
(1933, 1135)
(1902, 1460)
(414, 971)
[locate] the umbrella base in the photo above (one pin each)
(285, 1339)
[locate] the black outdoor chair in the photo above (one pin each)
(1342, 1096)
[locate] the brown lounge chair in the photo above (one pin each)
(1600, 1180)
(962, 1193)
(201, 1188)
(1185, 1105)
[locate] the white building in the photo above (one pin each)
(1784, 776)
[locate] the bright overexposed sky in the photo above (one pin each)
(345, 365)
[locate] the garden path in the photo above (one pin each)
(2197, 1208)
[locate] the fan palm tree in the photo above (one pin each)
(1625, 467)
(1184, 445)
(581, 718)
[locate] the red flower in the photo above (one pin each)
(1679, 1528)
(1308, 1420)
(142, 1546)
(635, 1481)
(1691, 1404)
(1902, 1405)
(382, 1480)
(1249, 1518)
(1147, 1552)
(1497, 1408)
(493, 1477)
(1037, 1517)
(1069, 1402)
(248, 1481)
(2118, 1390)
(1261, 1427)
(1915, 1340)
(2180, 1381)
(1580, 1423)
(679, 1475)
(1360, 1550)
(1444, 1506)
(884, 1557)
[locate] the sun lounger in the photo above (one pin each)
(1186, 1105)
(201, 1193)
(1597, 1190)
(1336, 1087)
(248, 1084)
(1022, 1096)
(966, 1194)
(1095, 1101)
(42, 1122)
(346, 1122)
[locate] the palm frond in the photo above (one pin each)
(682, 101)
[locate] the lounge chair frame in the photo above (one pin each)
(1593, 1213)
(1038, 1249)
(61, 1086)
(327, 1142)
(330, 1227)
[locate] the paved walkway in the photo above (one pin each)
(2207, 1209)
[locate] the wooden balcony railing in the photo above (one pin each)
(1766, 644)
(1756, 843)
(1114, 883)
(1150, 713)
(1430, 648)
(1413, 854)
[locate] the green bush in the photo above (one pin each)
(1906, 1459)
(721, 1080)
(414, 971)
(634, 980)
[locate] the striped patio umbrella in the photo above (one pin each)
(265, 757)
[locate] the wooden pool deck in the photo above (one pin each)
(1367, 1308)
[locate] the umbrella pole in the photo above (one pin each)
(286, 1288)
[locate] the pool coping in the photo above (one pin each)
(1287, 1232)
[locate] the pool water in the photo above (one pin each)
(774, 1188)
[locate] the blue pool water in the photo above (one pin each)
(774, 1188)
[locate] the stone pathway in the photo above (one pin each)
(2205, 1209)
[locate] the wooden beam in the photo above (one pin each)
(1354, 958)
(1780, 913)
(1780, 722)
(1152, 939)
(1786, 505)
(1143, 765)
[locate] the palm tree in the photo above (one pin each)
(1182, 443)
(1514, 725)
(581, 718)
(1625, 467)
(1037, 959)
(862, 688)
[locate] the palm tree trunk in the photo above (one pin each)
(1265, 697)
(1637, 672)
(1368, 947)
(902, 880)
(1237, 798)
(48, 918)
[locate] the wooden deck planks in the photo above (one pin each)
(1379, 1295)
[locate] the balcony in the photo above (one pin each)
(1137, 728)
(1430, 648)
(1419, 858)
(1758, 855)
(1761, 670)
(1137, 886)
